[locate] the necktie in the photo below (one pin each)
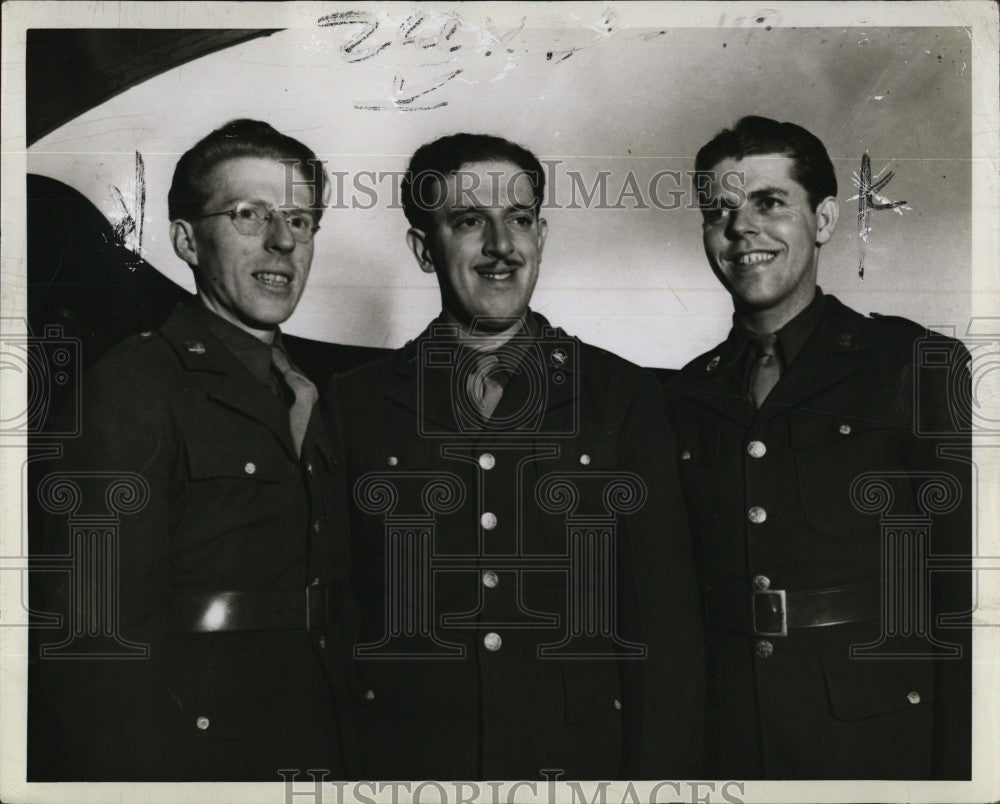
(766, 369)
(482, 386)
(305, 396)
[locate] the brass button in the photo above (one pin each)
(309, 469)
(913, 697)
(756, 449)
(322, 641)
(761, 582)
(393, 460)
(487, 461)
(369, 695)
(617, 704)
(845, 429)
(202, 723)
(585, 460)
(250, 468)
(763, 649)
(316, 526)
(492, 641)
(488, 521)
(686, 455)
(757, 515)
(490, 579)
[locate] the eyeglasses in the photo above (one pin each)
(250, 218)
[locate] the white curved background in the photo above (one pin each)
(625, 91)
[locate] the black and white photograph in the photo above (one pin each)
(319, 484)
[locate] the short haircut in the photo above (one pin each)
(448, 154)
(238, 138)
(756, 136)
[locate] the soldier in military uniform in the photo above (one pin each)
(811, 492)
(195, 645)
(520, 556)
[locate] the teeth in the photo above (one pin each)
(753, 257)
(272, 279)
(497, 276)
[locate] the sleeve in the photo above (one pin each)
(941, 447)
(100, 560)
(661, 593)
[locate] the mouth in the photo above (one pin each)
(273, 280)
(746, 259)
(495, 274)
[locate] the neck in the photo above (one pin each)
(266, 334)
(771, 319)
(484, 341)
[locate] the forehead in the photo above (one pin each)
(760, 170)
(492, 183)
(258, 178)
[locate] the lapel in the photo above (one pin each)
(713, 380)
(226, 381)
(831, 354)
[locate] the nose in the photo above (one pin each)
(741, 221)
(278, 235)
(499, 243)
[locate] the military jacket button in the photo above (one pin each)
(756, 449)
(757, 515)
(845, 429)
(686, 455)
(764, 648)
(487, 461)
(250, 468)
(393, 460)
(488, 521)
(369, 695)
(490, 579)
(761, 582)
(913, 697)
(492, 641)
(322, 641)
(585, 460)
(309, 469)
(202, 723)
(617, 704)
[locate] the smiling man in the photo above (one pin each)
(205, 649)
(825, 657)
(520, 556)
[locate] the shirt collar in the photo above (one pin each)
(251, 352)
(791, 337)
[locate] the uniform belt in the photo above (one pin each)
(771, 612)
(304, 609)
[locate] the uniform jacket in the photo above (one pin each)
(212, 499)
(576, 453)
(769, 495)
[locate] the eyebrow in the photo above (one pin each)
(766, 191)
(455, 212)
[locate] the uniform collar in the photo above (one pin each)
(252, 352)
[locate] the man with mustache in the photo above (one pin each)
(199, 641)
(809, 452)
(520, 558)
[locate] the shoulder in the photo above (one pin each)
(893, 333)
(140, 360)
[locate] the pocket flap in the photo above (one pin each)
(862, 688)
(248, 458)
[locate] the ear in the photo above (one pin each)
(419, 244)
(543, 230)
(827, 212)
(182, 237)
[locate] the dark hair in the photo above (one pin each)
(448, 154)
(754, 136)
(237, 138)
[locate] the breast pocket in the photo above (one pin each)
(699, 457)
(831, 452)
(243, 505)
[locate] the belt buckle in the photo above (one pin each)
(317, 607)
(766, 609)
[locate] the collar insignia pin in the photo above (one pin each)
(713, 364)
(559, 357)
(195, 347)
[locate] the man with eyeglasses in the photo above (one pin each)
(209, 653)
